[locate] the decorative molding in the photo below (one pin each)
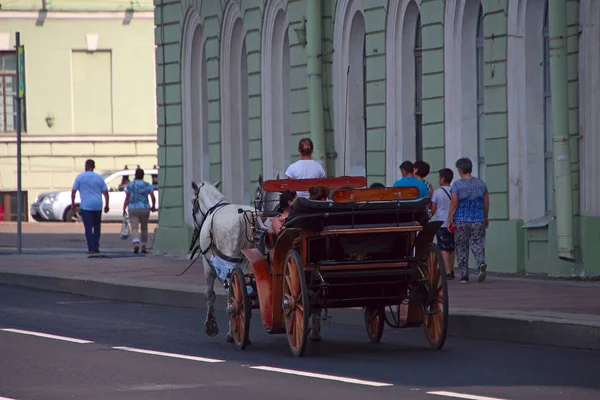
(395, 153)
(91, 40)
(268, 106)
(78, 139)
(460, 141)
(515, 82)
(77, 15)
(589, 103)
(344, 14)
(5, 42)
(230, 178)
(190, 27)
(525, 111)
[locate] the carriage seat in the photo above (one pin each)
(318, 215)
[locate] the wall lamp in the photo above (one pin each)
(50, 120)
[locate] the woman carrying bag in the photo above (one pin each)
(139, 208)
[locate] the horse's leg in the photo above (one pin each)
(315, 326)
(210, 326)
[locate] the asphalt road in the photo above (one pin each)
(102, 353)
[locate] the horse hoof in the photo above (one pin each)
(229, 338)
(211, 328)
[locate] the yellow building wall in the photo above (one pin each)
(117, 126)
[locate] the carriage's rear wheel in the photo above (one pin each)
(296, 308)
(239, 308)
(374, 322)
(435, 317)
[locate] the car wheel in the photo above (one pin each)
(72, 216)
(38, 218)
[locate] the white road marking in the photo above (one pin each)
(322, 376)
(172, 355)
(463, 396)
(47, 336)
(6, 398)
(84, 302)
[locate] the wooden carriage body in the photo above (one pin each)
(361, 248)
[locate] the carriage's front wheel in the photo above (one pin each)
(239, 308)
(435, 314)
(374, 319)
(296, 309)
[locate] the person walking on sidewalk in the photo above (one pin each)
(91, 187)
(469, 212)
(421, 170)
(139, 208)
(440, 205)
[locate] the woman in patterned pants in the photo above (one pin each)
(469, 214)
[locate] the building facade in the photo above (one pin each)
(90, 91)
(398, 79)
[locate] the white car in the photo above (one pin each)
(56, 206)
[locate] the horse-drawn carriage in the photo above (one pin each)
(370, 248)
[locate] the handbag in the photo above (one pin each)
(451, 227)
(125, 229)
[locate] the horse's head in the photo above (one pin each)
(206, 195)
(265, 202)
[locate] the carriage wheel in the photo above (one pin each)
(239, 308)
(296, 309)
(435, 316)
(374, 319)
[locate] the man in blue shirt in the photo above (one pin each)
(91, 187)
(407, 169)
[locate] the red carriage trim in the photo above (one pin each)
(375, 194)
(281, 185)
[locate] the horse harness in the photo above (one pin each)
(196, 237)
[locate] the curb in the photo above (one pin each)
(570, 331)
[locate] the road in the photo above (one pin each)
(108, 350)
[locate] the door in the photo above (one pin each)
(116, 195)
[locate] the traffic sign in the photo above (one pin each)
(21, 71)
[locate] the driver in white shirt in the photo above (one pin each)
(305, 167)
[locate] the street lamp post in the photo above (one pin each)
(19, 95)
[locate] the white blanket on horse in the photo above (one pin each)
(228, 231)
(222, 267)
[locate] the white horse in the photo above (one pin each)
(224, 233)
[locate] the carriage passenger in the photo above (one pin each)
(318, 193)
(407, 169)
(286, 199)
(421, 170)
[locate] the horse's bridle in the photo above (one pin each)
(196, 209)
(196, 205)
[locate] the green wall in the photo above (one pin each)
(511, 248)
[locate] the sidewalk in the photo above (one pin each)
(521, 310)
(64, 235)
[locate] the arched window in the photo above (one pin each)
(196, 159)
(548, 166)
(418, 91)
(480, 95)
